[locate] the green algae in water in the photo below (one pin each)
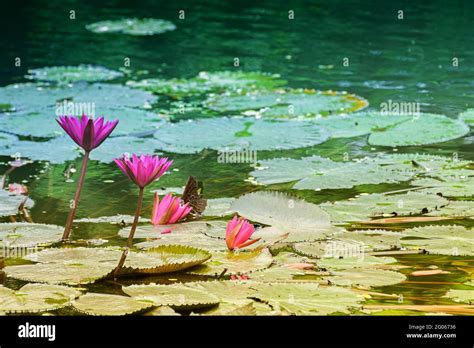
(132, 26)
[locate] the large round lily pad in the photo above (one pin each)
(365, 277)
(175, 296)
(238, 134)
(289, 103)
(27, 235)
(132, 26)
(35, 298)
(66, 74)
(105, 304)
(465, 296)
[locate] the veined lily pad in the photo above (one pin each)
(234, 263)
(289, 103)
(454, 187)
(210, 82)
(465, 296)
(132, 26)
(186, 233)
(35, 298)
(315, 249)
(10, 202)
(308, 298)
(365, 277)
(175, 296)
(25, 235)
(65, 74)
(302, 220)
(237, 134)
(376, 205)
(371, 240)
(219, 207)
(105, 304)
(360, 261)
(446, 240)
(422, 130)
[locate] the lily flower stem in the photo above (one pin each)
(5, 176)
(121, 263)
(75, 202)
(137, 216)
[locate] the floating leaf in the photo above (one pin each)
(371, 240)
(27, 235)
(35, 298)
(302, 220)
(132, 26)
(116, 219)
(465, 296)
(219, 207)
(210, 82)
(365, 277)
(7, 139)
(186, 233)
(10, 202)
(455, 187)
(289, 104)
(237, 134)
(446, 240)
(359, 261)
(455, 209)
(308, 298)
(380, 205)
(67, 74)
(315, 249)
(234, 263)
(178, 297)
(105, 304)
(422, 130)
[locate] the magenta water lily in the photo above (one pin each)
(88, 133)
(169, 210)
(238, 233)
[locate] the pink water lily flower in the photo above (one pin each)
(144, 169)
(18, 189)
(238, 233)
(169, 211)
(87, 132)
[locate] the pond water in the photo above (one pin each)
(363, 48)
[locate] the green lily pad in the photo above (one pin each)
(132, 26)
(210, 82)
(105, 304)
(178, 297)
(27, 235)
(66, 74)
(219, 207)
(365, 277)
(285, 214)
(296, 103)
(315, 249)
(234, 263)
(116, 219)
(308, 298)
(10, 202)
(36, 298)
(361, 261)
(454, 187)
(455, 208)
(464, 296)
(445, 240)
(186, 233)
(237, 134)
(376, 205)
(415, 131)
(319, 173)
(7, 139)
(371, 240)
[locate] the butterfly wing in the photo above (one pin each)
(192, 195)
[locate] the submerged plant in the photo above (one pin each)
(88, 134)
(142, 170)
(169, 210)
(238, 233)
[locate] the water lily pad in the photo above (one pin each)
(445, 240)
(132, 26)
(308, 298)
(321, 173)
(465, 296)
(454, 187)
(360, 261)
(232, 134)
(297, 103)
(25, 235)
(365, 277)
(234, 263)
(36, 298)
(455, 208)
(364, 207)
(10, 202)
(116, 219)
(66, 74)
(371, 240)
(219, 207)
(210, 82)
(105, 304)
(315, 249)
(186, 233)
(178, 297)
(302, 220)
(422, 130)
(7, 139)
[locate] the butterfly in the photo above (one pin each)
(192, 195)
